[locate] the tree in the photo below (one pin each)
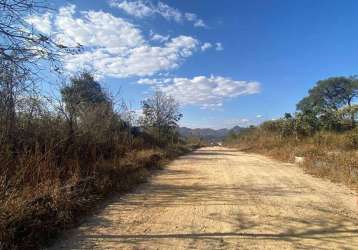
(329, 96)
(231, 137)
(13, 84)
(82, 96)
(161, 114)
(19, 41)
(306, 123)
(21, 47)
(83, 90)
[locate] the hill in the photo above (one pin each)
(208, 133)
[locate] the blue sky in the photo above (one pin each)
(270, 52)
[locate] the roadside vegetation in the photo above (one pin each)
(57, 162)
(61, 154)
(322, 136)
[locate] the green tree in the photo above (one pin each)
(83, 90)
(306, 124)
(83, 96)
(328, 97)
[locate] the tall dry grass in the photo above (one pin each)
(49, 180)
(333, 155)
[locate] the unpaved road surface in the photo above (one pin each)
(218, 198)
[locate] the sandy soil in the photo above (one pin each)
(218, 198)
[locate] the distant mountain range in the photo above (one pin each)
(208, 133)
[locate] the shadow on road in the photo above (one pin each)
(258, 212)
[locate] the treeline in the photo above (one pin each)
(59, 154)
(323, 131)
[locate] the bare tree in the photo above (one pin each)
(161, 114)
(19, 41)
(21, 49)
(13, 84)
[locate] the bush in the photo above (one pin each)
(351, 140)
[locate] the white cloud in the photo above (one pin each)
(168, 12)
(206, 46)
(211, 106)
(156, 82)
(135, 8)
(219, 47)
(115, 47)
(197, 22)
(144, 60)
(96, 28)
(158, 37)
(206, 92)
(147, 81)
(42, 23)
(142, 9)
(244, 121)
(259, 116)
(190, 16)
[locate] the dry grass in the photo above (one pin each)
(42, 202)
(326, 154)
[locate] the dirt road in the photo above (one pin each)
(218, 198)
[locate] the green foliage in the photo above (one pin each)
(330, 94)
(83, 92)
(88, 108)
(328, 98)
(306, 123)
(271, 126)
(283, 127)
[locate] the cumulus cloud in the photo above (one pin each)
(115, 47)
(96, 28)
(259, 116)
(206, 92)
(138, 9)
(140, 61)
(158, 37)
(142, 9)
(42, 23)
(168, 12)
(156, 82)
(219, 47)
(206, 46)
(197, 22)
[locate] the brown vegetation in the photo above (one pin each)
(327, 154)
(323, 132)
(48, 200)
(57, 162)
